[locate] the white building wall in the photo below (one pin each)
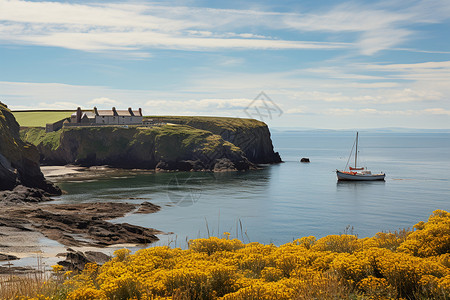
(118, 120)
(107, 120)
(136, 120)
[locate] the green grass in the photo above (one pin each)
(170, 142)
(38, 135)
(219, 122)
(40, 118)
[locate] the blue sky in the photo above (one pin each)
(322, 64)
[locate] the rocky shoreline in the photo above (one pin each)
(29, 211)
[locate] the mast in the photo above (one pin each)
(356, 152)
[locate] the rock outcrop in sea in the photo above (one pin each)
(19, 160)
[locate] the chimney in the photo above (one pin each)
(140, 112)
(130, 111)
(95, 111)
(79, 115)
(114, 111)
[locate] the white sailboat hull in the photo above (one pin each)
(358, 176)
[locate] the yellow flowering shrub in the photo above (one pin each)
(214, 244)
(377, 288)
(386, 240)
(431, 238)
(262, 290)
(337, 243)
(87, 293)
(400, 265)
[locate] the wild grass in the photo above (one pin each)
(211, 122)
(40, 118)
(35, 284)
(38, 136)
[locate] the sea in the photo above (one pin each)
(283, 202)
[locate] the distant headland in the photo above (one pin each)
(127, 139)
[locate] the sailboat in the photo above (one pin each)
(357, 173)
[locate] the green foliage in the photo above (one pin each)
(223, 123)
(168, 142)
(38, 136)
(11, 146)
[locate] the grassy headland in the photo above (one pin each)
(134, 146)
(401, 265)
(251, 136)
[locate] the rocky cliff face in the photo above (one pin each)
(251, 136)
(169, 147)
(19, 161)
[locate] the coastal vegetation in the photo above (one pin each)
(221, 123)
(251, 136)
(131, 146)
(407, 264)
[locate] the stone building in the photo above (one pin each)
(107, 117)
(97, 117)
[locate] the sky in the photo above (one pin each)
(304, 63)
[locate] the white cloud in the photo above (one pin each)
(44, 105)
(203, 106)
(104, 100)
(135, 26)
(415, 67)
(131, 27)
(373, 111)
(380, 26)
(296, 110)
(438, 111)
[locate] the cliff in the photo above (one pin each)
(19, 161)
(251, 136)
(168, 147)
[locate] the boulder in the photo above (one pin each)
(7, 257)
(224, 165)
(76, 260)
(22, 194)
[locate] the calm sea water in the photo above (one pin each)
(286, 201)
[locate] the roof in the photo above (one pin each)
(123, 113)
(110, 112)
(88, 114)
(105, 112)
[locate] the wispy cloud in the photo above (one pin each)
(373, 111)
(132, 27)
(380, 26)
(232, 107)
(438, 111)
(103, 100)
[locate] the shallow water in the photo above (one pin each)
(286, 201)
